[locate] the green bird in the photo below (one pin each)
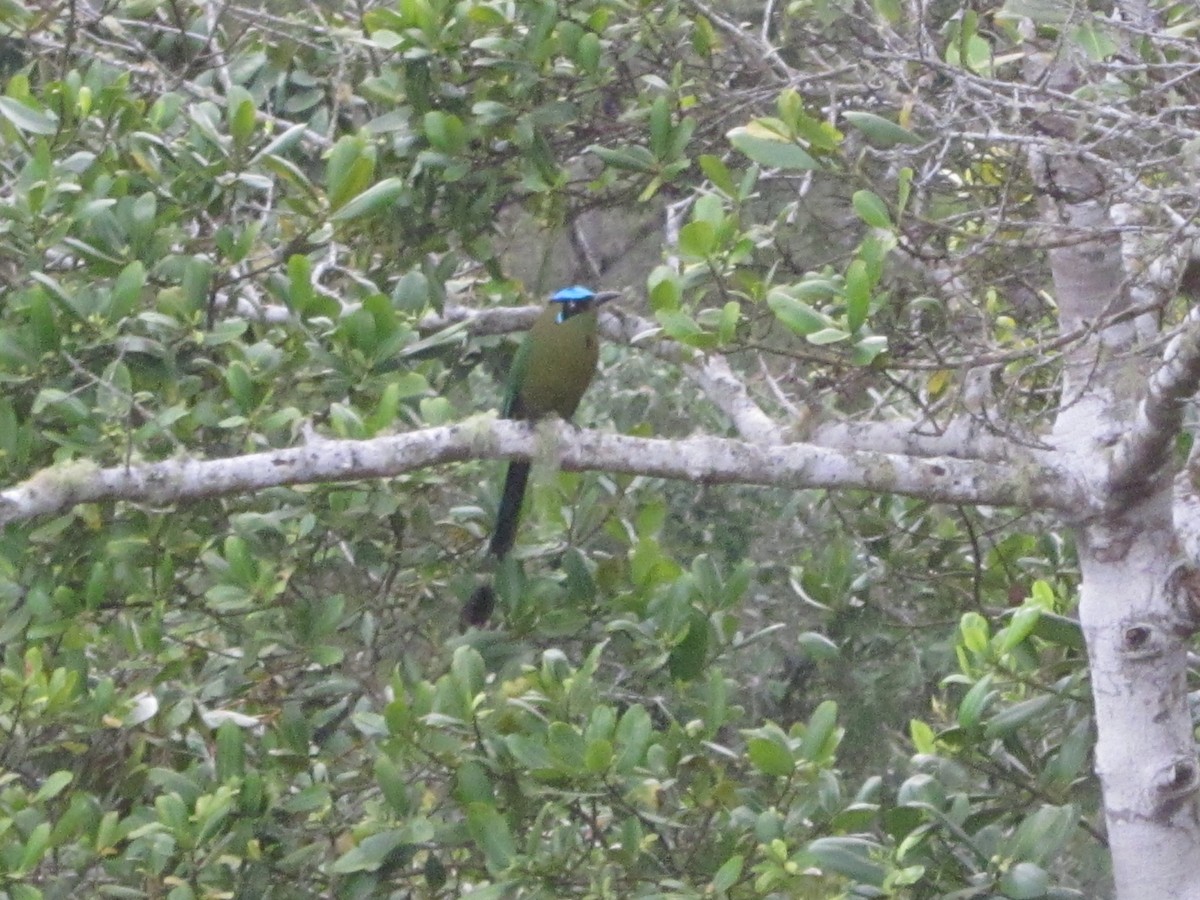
(552, 369)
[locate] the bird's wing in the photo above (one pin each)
(516, 377)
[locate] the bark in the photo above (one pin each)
(1137, 658)
(1030, 480)
(1130, 610)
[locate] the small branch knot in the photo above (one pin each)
(1141, 641)
(1173, 784)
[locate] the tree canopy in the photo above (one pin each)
(795, 607)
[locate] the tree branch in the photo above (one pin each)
(1141, 453)
(761, 52)
(492, 320)
(1186, 509)
(961, 438)
(710, 460)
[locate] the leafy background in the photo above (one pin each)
(226, 228)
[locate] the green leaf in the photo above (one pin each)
(599, 756)
(687, 658)
(197, 281)
(731, 315)
(632, 738)
(114, 403)
(53, 785)
(566, 746)
(922, 736)
(697, 239)
(436, 410)
(1025, 881)
(817, 646)
(635, 159)
(385, 411)
(473, 784)
(231, 752)
(348, 169)
(889, 10)
(240, 385)
(904, 188)
(35, 847)
(664, 288)
(392, 782)
(880, 131)
(25, 118)
(977, 699)
(1022, 624)
(815, 288)
(529, 750)
(326, 655)
(1095, 41)
(660, 126)
(729, 873)
(851, 857)
(790, 107)
(1008, 720)
(681, 327)
(386, 39)
(411, 293)
(126, 292)
(770, 757)
(796, 314)
(1061, 630)
(375, 199)
(709, 208)
(828, 336)
(468, 671)
(972, 52)
(283, 142)
(300, 292)
(975, 632)
(821, 726)
(718, 173)
(107, 832)
(871, 209)
(776, 153)
(241, 114)
(1041, 836)
(586, 52)
(61, 298)
(1068, 763)
(858, 295)
(371, 853)
(1042, 12)
(489, 829)
(446, 132)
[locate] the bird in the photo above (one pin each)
(549, 375)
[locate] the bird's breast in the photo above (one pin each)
(562, 361)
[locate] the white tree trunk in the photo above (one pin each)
(1137, 658)
(1133, 610)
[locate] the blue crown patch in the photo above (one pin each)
(573, 294)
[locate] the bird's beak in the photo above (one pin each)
(604, 296)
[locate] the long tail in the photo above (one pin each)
(505, 532)
(478, 608)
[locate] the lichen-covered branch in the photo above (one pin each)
(1140, 455)
(711, 460)
(962, 438)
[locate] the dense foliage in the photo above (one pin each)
(224, 229)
